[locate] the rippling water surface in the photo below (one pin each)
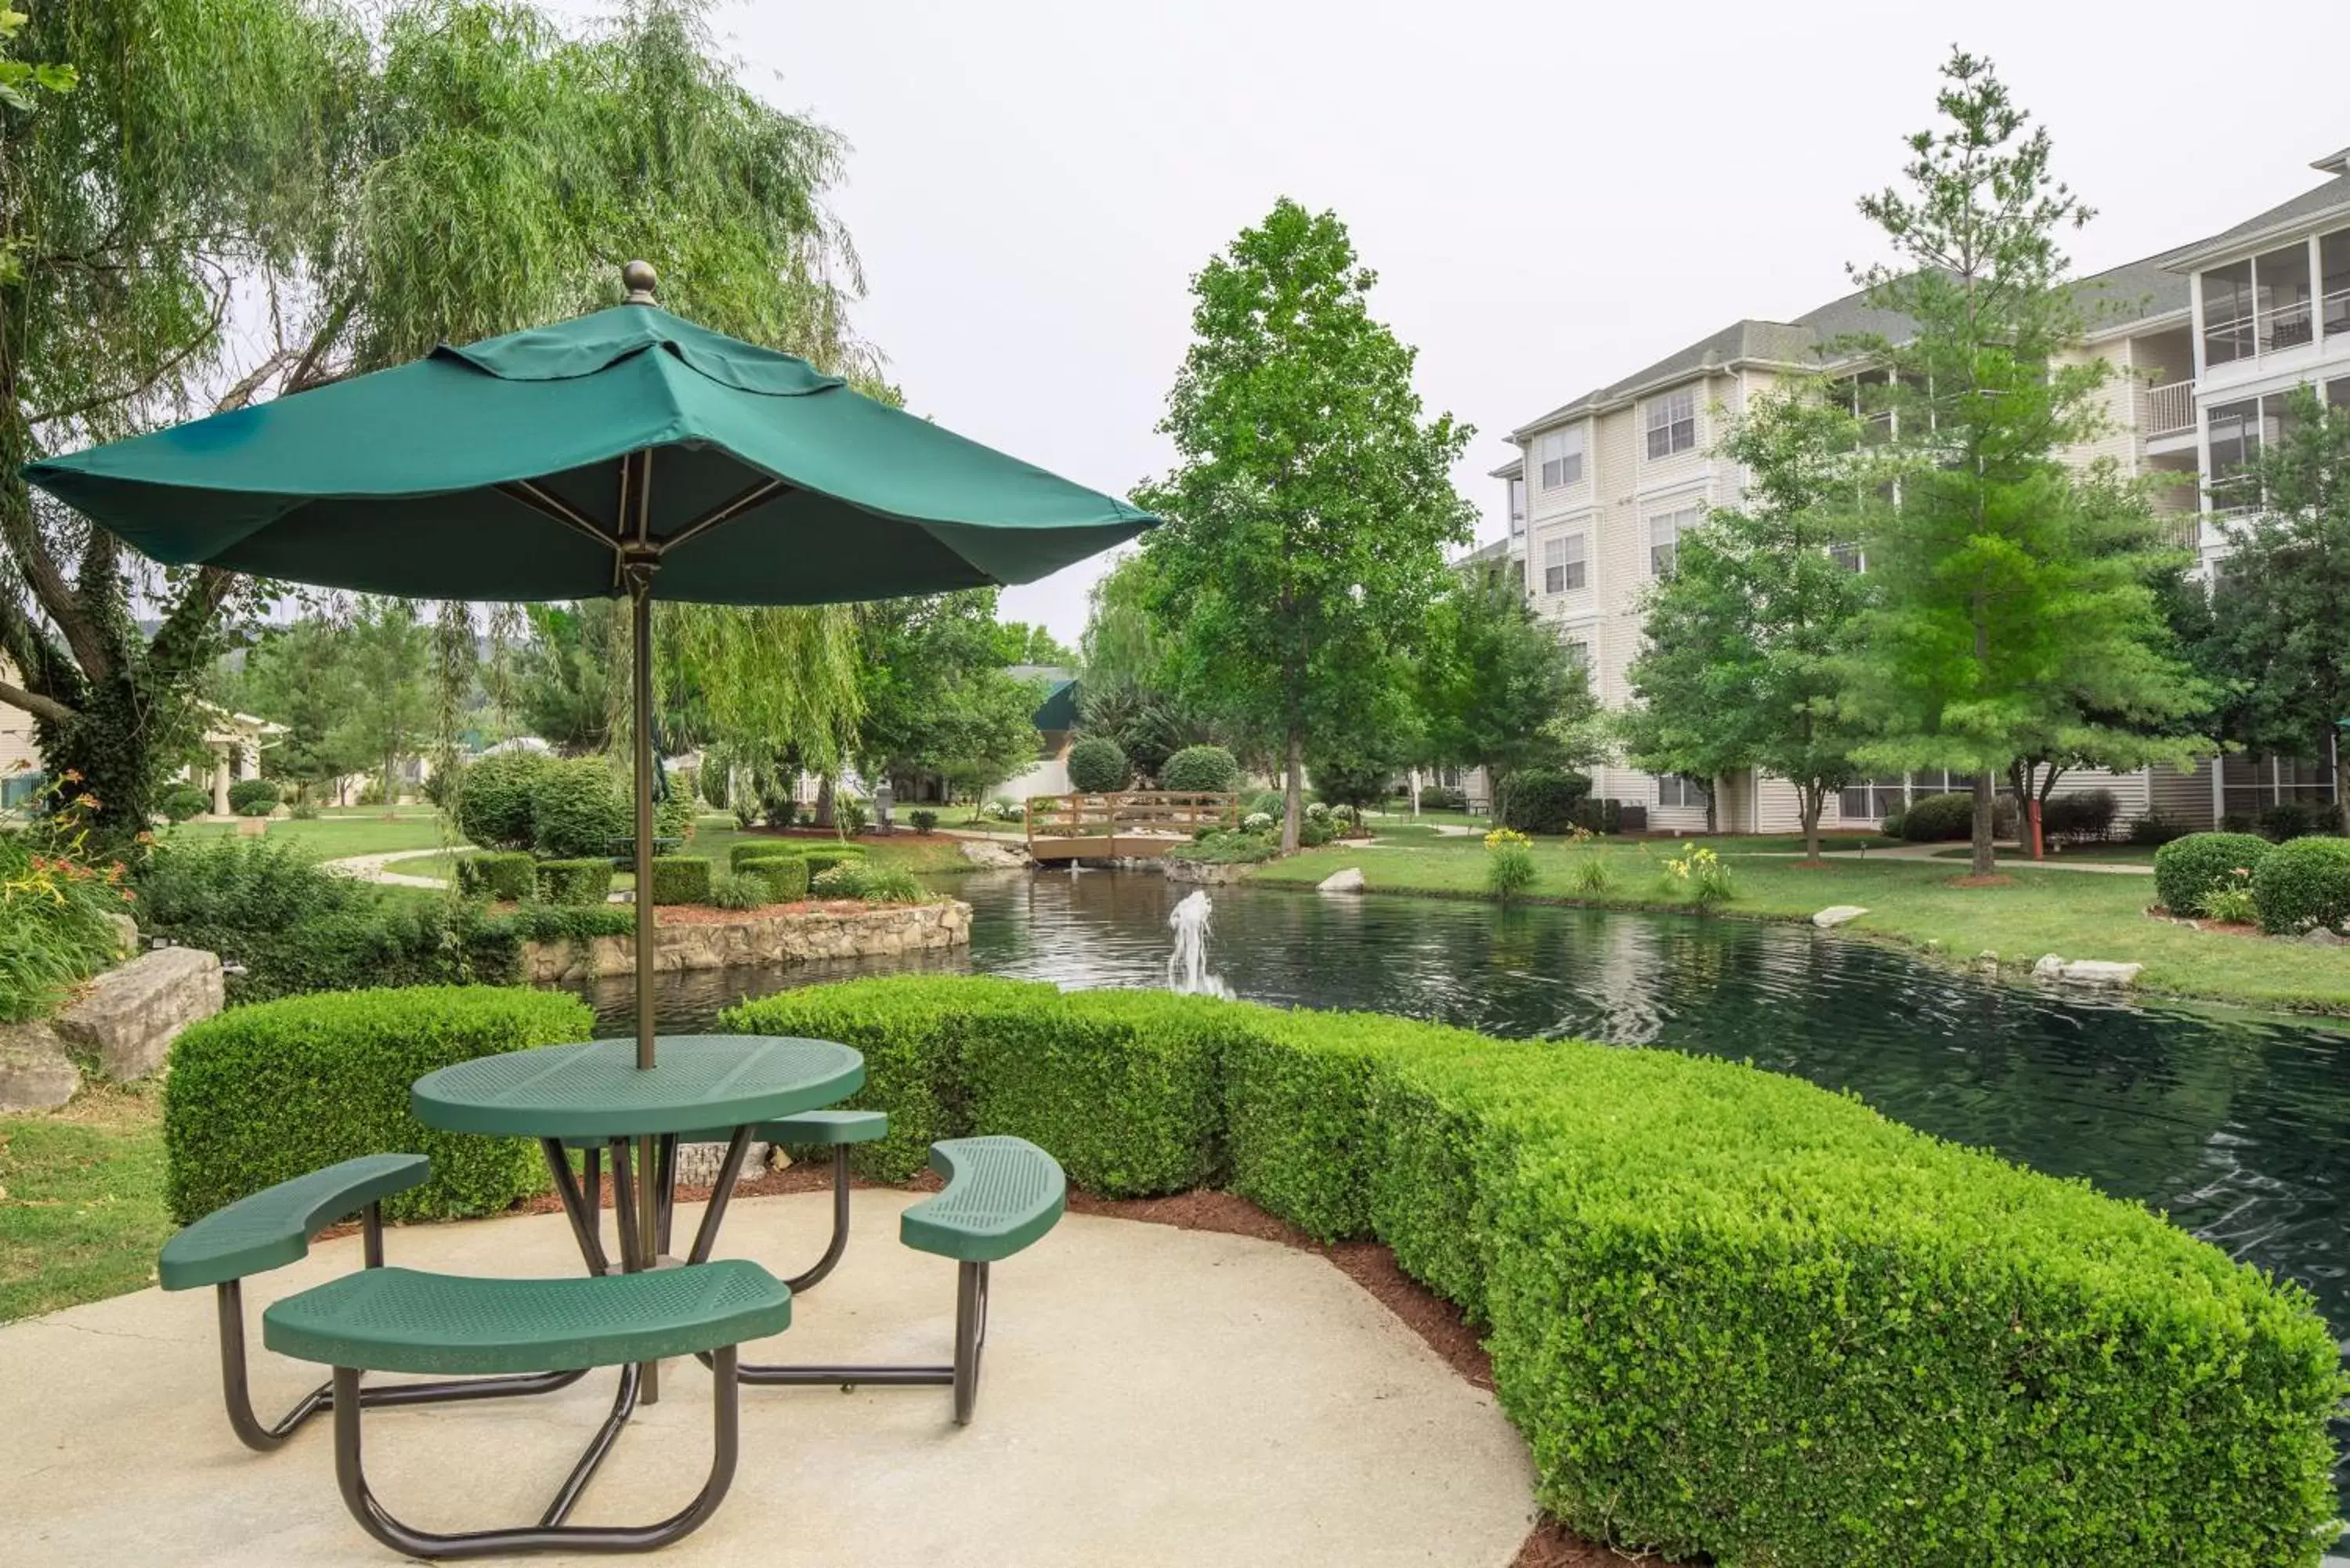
(2236, 1124)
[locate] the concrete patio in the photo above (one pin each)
(1152, 1395)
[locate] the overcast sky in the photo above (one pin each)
(1552, 195)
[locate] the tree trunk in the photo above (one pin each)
(1815, 798)
(1293, 793)
(1982, 862)
(1415, 794)
(2341, 787)
(391, 784)
(824, 801)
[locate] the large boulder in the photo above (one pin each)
(993, 853)
(2101, 972)
(35, 1073)
(130, 1016)
(1350, 880)
(1837, 914)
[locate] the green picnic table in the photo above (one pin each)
(581, 1095)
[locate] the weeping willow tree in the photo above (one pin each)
(366, 188)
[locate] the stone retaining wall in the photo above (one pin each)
(756, 938)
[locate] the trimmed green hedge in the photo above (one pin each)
(498, 874)
(1732, 1314)
(2302, 883)
(258, 1094)
(2185, 870)
(575, 883)
(787, 876)
(680, 879)
(741, 855)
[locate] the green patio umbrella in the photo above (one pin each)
(624, 452)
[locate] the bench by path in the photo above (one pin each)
(1119, 1355)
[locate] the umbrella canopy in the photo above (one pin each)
(626, 452)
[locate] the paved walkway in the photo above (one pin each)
(1152, 1397)
(371, 868)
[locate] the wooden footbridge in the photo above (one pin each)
(1129, 825)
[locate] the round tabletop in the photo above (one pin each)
(597, 1090)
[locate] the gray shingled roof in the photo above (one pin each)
(2334, 192)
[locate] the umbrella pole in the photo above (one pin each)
(640, 670)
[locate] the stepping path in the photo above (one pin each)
(371, 867)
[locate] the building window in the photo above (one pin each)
(1665, 539)
(2333, 282)
(1517, 507)
(1673, 422)
(2235, 446)
(1849, 556)
(1674, 789)
(1574, 563)
(1560, 452)
(2227, 312)
(1578, 653)
(1872, 800)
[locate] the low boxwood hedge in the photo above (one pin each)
(741, 855)
(1933, 818)
(1732, 1314)
(2187, 870)
(680, 879)
(260, 1094)
(787, 876)
(2302, 883)
(575, 883)
(511, 875)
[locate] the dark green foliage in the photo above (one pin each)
(1219, 846)
(787, 876)
(565, 922)
(738, 890)
(741, 855)
(1096, 766)
(888, 885)
(253, 797)
(578, 810)
(511, 875)
(494, 799)
(2294, 819)
(576, 882)
(1601, 816)
(2087, 817)
(2302, 883)
(680, 879)
(181, 802)
(821, 856)
(2187, 870)
(1543, 800)
(1933, 818)
(262, 1094)
(1440, 797)
(923, 820)
(1734, 1314)
(1210, 770)
(2154, 830)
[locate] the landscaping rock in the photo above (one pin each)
(697, 1163)
(35, 1073)
(1207, 871)
(130, 1015)
(1837, 914)
(2101, 972)
(2050, 966)
(1987, 961)
(751, 939)
(126, 934)
(1350, 880)
(996, 854)
(2322, 936)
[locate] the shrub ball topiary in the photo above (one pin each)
(578, 810)
(258, 1094)
(1096, 766)
(495, 797)
(2187, 870)
(2295, 819)
(1541, 800)
(181, 802)
(1933, 818)
(498, 874)
(574, 884)
(1208, 770)
(2302, 883)
(253, 797)
(2085, 817)
(787, 876)
(680, 879)
(923, 819)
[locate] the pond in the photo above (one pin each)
(2238, 1124)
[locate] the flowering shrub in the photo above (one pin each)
(2232, 902)
(54, 896)
(1509, 864)
(1702, 874)
(1257, 821)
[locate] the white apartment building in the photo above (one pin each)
(2205, 341)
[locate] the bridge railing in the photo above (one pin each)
(1128, 814)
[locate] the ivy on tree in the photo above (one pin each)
(1308, 515)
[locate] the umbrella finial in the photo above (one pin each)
(640, 279)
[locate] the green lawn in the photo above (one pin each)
(2117, 853)
(81, 1200)
(337, 832)
(1914, 904)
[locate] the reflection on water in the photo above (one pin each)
(2237, 1124)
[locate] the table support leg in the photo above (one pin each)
(721, 1194)
(578, 1207)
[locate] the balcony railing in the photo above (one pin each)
(2167, 409)
(2335, 311)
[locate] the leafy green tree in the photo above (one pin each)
(564, 689)
(1130, 689)
(1308, 515)
(1495, 683)
(391, 662)
(300, 675)
(1021, 643)
(1749, 640)
(2282, 599)
(2011, 600)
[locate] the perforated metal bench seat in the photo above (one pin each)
(1001, 1193)
(402, 1319)
(272, 1228)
